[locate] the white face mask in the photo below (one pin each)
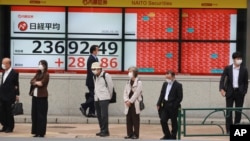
(238, 62)
(130, 74)
(40, 67)
(168, 80)
(3, 66)
(94, 72)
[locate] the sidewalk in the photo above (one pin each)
(117, 132)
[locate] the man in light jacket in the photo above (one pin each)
(103, 93)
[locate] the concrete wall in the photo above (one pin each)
(66, 93)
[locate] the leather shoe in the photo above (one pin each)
(3, 129)
(163, 138)
(128, 137)
(98, 134)
(8, 131)
(134, 137)
(92, 115)
(83, 111)
(104, 134)
(38, 136)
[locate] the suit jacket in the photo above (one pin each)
(42, 91)
(242, 81)
(9, 89)
(89, 79)
(175, 95)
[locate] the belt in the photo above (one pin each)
(236, 89)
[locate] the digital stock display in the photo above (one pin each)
(152, 39)
(38, 33)
(104, 25)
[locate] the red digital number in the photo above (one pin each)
(79, 62)
(105, 62)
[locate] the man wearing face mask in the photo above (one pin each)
(90, 84)
(237, 86)
(168, 103)
(9, 93)
(103, 94)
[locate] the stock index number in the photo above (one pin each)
(73, 47)
(49, 47)
(84, 46)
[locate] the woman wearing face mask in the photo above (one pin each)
(132, 96)
(39, 95)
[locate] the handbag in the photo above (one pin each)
(142, 105)
(17, 108)
(113, 98)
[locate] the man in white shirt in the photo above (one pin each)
(9, 93)
(237, 85)
(168, 104)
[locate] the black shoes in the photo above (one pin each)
(127, 137)
(83, 111)
(38, 136)
(131, 137)
(164, 138)
(3, 129)
(134, 137)
(8, 131)
(92, 115)
(85, 114)
(98, 134)
(167, 138)
(102, 134)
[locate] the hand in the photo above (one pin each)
(17, 98)
(222, 92)
(128, 103)
(38, 83)
(33, 82)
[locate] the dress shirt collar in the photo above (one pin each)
(8, 71)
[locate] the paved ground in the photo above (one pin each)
(67, 132)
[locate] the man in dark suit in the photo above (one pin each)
(9, 93)
(168, 104)
(237, 85)
(90, 84)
